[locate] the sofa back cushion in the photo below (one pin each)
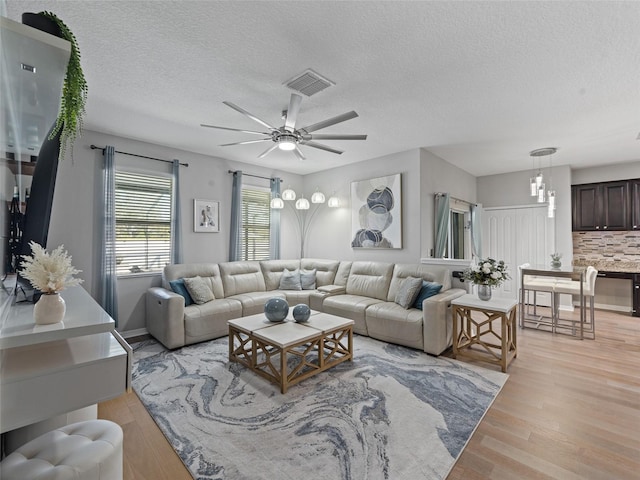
(342, 275)
(426, 272)
(325, 270)
(370, 279)
(242, 277)
(272, 271)
(210, 273)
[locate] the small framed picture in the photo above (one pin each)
(206, 216)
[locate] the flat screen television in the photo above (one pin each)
(39, 204)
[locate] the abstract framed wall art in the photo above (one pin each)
(206, 216)
(376, 212)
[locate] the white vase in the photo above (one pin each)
(49, 309)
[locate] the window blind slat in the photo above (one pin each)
(256, 215)
(143, 222)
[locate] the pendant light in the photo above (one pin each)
(537, 186)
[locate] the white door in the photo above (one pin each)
(518, 235)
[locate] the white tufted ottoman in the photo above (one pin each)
(90, 450)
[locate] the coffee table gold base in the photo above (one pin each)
(288, 362)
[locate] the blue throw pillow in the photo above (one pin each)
(429, 289)
(180, 288)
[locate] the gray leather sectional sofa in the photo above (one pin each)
(360, 290)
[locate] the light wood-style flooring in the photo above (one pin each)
(570, 410)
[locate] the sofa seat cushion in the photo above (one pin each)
(392, 323)
(209, 320)
(352, 307)
(253, 302)
(295, 297)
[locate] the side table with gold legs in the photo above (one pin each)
(475, 329)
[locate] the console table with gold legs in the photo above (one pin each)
(485, 330)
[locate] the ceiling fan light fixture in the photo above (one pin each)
(286, 145)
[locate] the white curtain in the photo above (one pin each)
(108, 276)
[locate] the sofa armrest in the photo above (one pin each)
(437, 323)
(317, 297)
(165, 316)
(329, 290)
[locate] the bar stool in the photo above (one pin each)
(534, 284)
(572, 287)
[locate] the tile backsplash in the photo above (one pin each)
(615, 246)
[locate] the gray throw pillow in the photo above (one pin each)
(308, 279)
(290, 280)
(199, 290)
(408, 291)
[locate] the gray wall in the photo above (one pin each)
(75, 216)
(621, 171)
(512, 189)
(330, 235)
(439, 176)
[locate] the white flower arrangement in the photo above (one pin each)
(487, 272)
(49, 273)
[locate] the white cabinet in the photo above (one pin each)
(49, 370)
(518, 235)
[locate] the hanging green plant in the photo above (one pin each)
(74, 92)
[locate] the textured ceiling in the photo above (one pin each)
(479, 84)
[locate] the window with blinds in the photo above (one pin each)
(255, 224)
(143, 222)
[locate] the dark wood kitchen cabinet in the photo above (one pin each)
(636, 295)
(634, 186)
(601, 206)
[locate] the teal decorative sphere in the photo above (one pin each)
(276, 309)
(301, 313)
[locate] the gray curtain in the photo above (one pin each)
(235, 248)
(442, 224)
(274, 227)
(108, 276)
(476, 230)
(176, 217)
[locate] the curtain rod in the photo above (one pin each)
(93, 147)
(251, 175)
(456, 199)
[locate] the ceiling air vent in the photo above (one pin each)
(309, 83)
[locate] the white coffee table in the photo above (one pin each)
(288, 352)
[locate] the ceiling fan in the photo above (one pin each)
(288, 137)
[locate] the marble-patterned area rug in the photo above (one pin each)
(393, 413)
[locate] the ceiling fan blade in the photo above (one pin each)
(331, 136)
(298, 153)
(235, 129)
(268, 150)
(292, 112)
(252, 117)
(321, 147)
(246, 142)
(331, 121)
